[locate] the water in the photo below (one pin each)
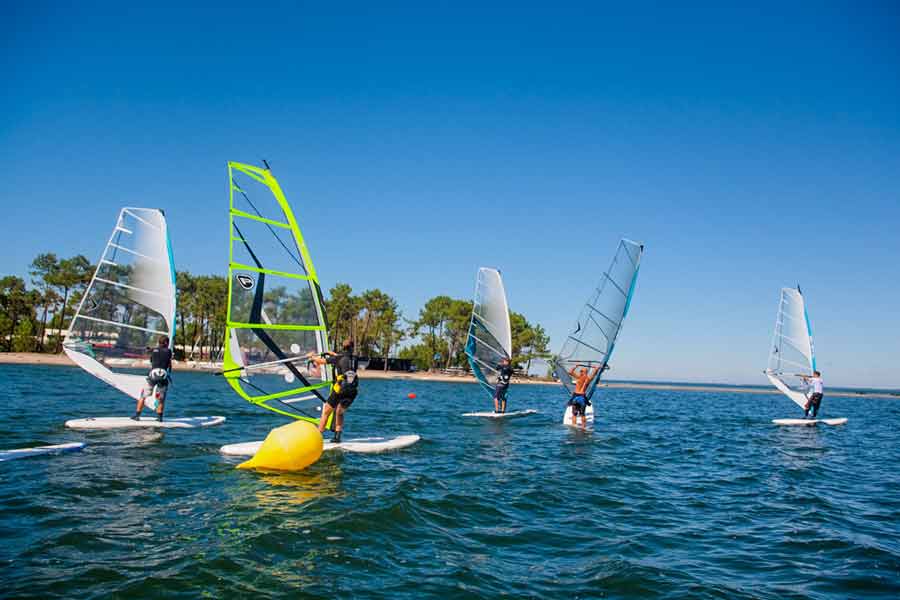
(676, 494)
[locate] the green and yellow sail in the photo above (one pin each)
(276, 313)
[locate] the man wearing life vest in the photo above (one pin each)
(158, 379)
(344, 389)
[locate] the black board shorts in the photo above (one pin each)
(342, 398)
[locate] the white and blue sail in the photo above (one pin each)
(490, 337)
(592, 341)
(129, 303)
(791, 355)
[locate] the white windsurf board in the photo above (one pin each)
(371, 444)
(809, 422)
(589, 417)
(505, 415)
(38, 450)
(147, 421)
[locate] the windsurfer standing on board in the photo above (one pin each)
(579, 401)
(504, 374)
(344, 390)
(815, 398)
(157, 379)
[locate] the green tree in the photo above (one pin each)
(342, 309)
(186, 288)
(23, 340)
(388, 332)
(73, 274)
(539, 347)
(432, 318)
(375, 307)
(17, 304)
(41, 270)
(456, 330)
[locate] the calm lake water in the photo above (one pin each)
(674, 495)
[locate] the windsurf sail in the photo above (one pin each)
(591, 343)
(490, 338)
(791, 355)
(129, 303)
(276, 313)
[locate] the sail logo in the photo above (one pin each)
(245, 281)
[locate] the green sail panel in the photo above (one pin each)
(276, 313)
(591, 343)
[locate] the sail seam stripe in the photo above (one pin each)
(131, 287)
(147, 223)
(577, 341)
(130, 251)
(239, 325)
(117, 324)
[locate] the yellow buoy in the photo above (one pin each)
(291, 447)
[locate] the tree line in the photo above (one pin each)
(35, 314)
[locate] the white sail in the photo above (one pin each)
(129, 303)
(591, 344)
(791, 354)
(490, 336)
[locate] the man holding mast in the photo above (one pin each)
(157, 379)
(344, 390)
(815, 398)
(579, 401)
(504, 374)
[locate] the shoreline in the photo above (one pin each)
(34, 358)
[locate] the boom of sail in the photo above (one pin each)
(129, 303)
(490, 339)
(791, 355)
(276, 313)
(591, 343)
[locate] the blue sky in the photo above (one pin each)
(748, 147)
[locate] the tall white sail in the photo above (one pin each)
(591, 343)
(490, 336)
(791, 354)
(130, 301)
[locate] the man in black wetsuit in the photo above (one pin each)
(344, 390)
(157, 379)
(504, 373)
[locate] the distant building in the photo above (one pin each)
(394, 364)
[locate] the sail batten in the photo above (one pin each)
(275, 312)
(592, 342)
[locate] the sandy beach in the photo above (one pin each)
(29, 358)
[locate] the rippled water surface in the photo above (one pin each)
(675, 494)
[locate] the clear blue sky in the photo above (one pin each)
(749, 147)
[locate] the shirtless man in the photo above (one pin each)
(579, 401)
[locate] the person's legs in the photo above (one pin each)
(327, 409)
(503, 400)
(816, 401)
(339, 418)
(145, 391)
(161, 392)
